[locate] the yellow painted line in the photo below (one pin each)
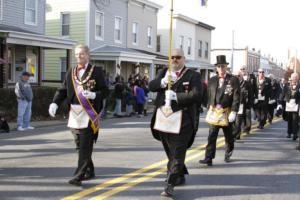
(142, 179)
(125, 177)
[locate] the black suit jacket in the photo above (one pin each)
(189, 94)
(265, 88)
(67, 90)
(289, 94)
(246, 96)
(230, 96)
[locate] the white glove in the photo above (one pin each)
(279, 107)
(88, 94)
(272, 101)
(164, 81)
(255, 101)
(231, 117)
(52, 109)
(170, 95)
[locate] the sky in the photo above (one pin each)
(271, 26)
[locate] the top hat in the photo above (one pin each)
(221, 60)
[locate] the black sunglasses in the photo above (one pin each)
(261, 72)
(177, 57)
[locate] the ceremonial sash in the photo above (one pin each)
(86, 104)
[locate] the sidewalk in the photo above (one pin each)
(53, 122)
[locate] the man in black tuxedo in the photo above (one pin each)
(84, 88)
(274, 95)
(185, 95)
(223, 93)
(262, 100)
(291, 96)
(246, 100)
(250, 78)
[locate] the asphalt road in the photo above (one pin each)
(130, 164)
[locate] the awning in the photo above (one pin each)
(113, 53)
(198, 64)
(31, 39)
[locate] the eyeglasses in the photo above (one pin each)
(261, 72)
(243, 69)
(222, 66)
(176, 57)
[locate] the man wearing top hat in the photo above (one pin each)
(223, 93)
(262, 98)
(84, 88)
(185, 95)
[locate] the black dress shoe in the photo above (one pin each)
(206, 161)
(75, 181)
(180, 181)
(298, 147)
(88, 176)
(227, 156)
(168, 191)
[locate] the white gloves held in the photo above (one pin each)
(272, 101)
(279, 107)
(232, 116)
(88, 94)
(255, 101)
(52, 109)
(170, 95)
(164, 81)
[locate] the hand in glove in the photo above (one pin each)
(232, 116)
(88, 94)
(164, 81)
(170, 95)
(255, 101)
(279, 107)
(272, 101)
(52, 109)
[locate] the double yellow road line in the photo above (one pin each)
(139, 175)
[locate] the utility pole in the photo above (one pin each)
(232, 51)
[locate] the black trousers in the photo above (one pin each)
(261, 112)
(140, 108)
(247, 120)
(84, 141)
(175, 147)
(270, 111)
(293, 125)
(237, 126)
(212, 140)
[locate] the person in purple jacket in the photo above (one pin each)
(140, 97)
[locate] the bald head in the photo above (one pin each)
(178, 59)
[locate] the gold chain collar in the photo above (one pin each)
(86, 79)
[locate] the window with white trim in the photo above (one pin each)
(189, 49)
(31, 12)
(206, 49)
(99, 25)
(65, 24)
(63, 68)
(134, 32)
(158, 43)
(149, 36)
(118, 27)
(200, 48)
(181, 41)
